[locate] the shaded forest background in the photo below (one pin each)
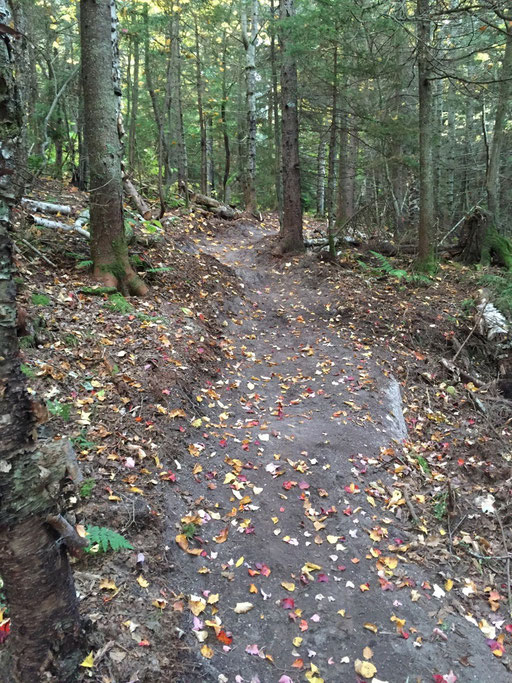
(201, 95)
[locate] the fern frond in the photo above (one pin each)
(105, 539)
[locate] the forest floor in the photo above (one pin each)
(308, 493)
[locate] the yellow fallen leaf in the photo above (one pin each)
(88, 662)
(288, 585)
(160, 603)
(365, 669)
(448, 585)
(142, 581)
(239, 562)
(332, 539)
(108, 584)
(297, 641)
(223, 536)
(213, 598)
(207, 651)
(371, 627)
(196, 605)
(136, 489)
(182, 541)
(367, 652)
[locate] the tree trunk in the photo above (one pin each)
(291, 236)
(346, 174)
(163, 155)
(34, 568)
(225, 135)
(134, 107)
(331, 163)
(249, 41)
(493, 169)
(177, 147)
(109, 250)
(203, 180)
(320, 177)
(210, 163)
(425, 258)
(275, 113)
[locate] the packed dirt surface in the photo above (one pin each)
(294, 554)
(309, 494)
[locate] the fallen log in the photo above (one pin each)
(56, 225)
(214, 206)
(46, 207)
(138, 202)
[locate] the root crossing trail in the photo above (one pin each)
(306, 571)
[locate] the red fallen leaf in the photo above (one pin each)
(144, 643)
(168, 476)
(298, 664)
(288, 603)
(224, 638)
(263, 568)
(508, 628)
(322, 578)
(253, 572)
(5, 629)
(303, 625)
(303, 485)
(287, 485)
(223, 443)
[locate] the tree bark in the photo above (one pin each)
(34, 567)
(177, 148)
(249, 40)
(163, 154)
(109, 250)
(425, 258)
(320, 177)
(134, 107)
(331, 163)
(203, 180)
(493, 169)
(225, 134)
(275, 114)
(291, 239)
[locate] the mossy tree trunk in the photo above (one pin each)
(109, 250)
(33, 565)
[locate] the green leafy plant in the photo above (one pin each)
(102, 539)
(59, 409)
(40, 299)
(80, 441)
(424, 465)
(117, 303)
(189, 530)
(84, 264)
(87, 488)
(385, 267)
(440, 506)
(27, 371)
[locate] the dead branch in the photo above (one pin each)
(46, 207)
(56, 225)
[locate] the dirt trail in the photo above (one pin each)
(290, 467)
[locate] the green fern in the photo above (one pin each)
(102, 539)
(84, 264)
(385, 266)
